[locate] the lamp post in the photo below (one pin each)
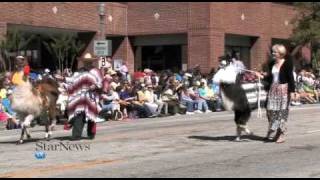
(102, 15)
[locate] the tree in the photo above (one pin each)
(9, 47)
(306, 30)
(64, 48)
(76, 47)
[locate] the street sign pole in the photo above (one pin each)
(102, 16)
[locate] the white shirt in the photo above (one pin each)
(275, 74)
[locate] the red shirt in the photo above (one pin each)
(26, 70)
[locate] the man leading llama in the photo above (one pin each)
(83, 101)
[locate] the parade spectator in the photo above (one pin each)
(200, 103)
(207, 94)
(124, 71)
(171, 97)
(126, 99)
(186, 100)
(139, 76)
(218, 100)
(139, 103)
(110, 100)
(146, 95)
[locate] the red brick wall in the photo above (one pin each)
(173, 17)
(199, 35)
(70, 15)
(118, 25)
(205, 22)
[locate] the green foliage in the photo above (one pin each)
(64, 48)
(307, 28)
(14, 41)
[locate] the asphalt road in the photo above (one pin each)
(181, 146)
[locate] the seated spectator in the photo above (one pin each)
(157, 98)
(12, 122)
(186, 100)
(207, 94)
(110, 101)
(150, 100)
(126, 99)
(3, 115)
(171, 97)
(306, 87)
(139, 103)
(218, 100)
(147, 76)
(139, 76)
(201, 104)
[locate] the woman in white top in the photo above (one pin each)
(281, 87)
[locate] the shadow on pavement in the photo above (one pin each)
(65, 138)
(228, 138)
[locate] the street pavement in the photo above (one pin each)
(198, 145)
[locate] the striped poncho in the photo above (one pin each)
(81, 98)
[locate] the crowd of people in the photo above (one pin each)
(146, 93)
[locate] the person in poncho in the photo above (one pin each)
(83, 101)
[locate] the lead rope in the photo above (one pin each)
(259, 114)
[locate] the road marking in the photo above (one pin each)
(29, 172)
(314, 131)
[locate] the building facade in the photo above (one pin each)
(161, 35)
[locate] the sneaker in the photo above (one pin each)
(198, 111)
(189, 113)
(208, 111)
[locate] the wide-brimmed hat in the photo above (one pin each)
(112, 72)
(147, 70)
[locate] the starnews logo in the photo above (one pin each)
(43, 147)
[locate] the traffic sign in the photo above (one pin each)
(102, 48)
(103, 63)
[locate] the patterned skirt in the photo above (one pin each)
(278, 107)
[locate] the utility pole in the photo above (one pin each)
(102, 15)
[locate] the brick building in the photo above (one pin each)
(160, 35)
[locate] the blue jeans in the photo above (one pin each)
(108, 107)
(189, 104)
(201, 104)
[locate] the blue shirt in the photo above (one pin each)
(215, 87)
(7, 106)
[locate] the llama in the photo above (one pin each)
(234, 97)
(29, 102)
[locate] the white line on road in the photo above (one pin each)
(314, 131)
